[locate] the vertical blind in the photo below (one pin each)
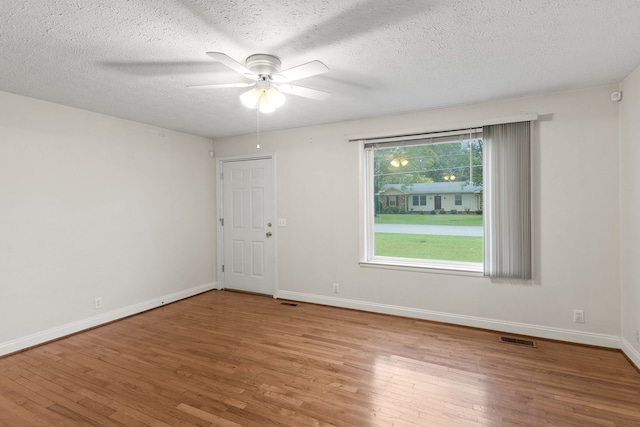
(507, 200)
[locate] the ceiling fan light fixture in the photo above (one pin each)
(251, 97)
(267, 100)
(276, 99)
(397, 162)
(265, 107)
(270, 100)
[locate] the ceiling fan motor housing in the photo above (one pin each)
(263, 64)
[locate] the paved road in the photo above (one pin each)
(441, 230)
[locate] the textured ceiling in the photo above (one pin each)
(135, 59)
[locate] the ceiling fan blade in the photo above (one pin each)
(309, 69)
(304, 92)
(233, 64)
(223, 85)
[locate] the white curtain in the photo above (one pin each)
(507, 200)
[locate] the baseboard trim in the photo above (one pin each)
(91, 322)
(632, 354)
(568, 335)
(578, 337)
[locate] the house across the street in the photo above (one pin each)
(425, 197)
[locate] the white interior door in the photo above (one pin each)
(248, 226)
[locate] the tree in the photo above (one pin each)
(428, 163)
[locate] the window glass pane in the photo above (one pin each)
(427, 201)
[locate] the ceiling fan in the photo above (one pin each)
(269, 83)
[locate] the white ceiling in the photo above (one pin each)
(134, 58)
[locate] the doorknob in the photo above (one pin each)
(269, 234)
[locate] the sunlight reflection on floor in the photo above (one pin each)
(414, 392)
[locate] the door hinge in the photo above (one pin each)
(222, 176)
(222, 222)
(223, 268)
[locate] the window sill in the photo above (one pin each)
(437, 267)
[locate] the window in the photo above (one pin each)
(435, 170)
(464, 215)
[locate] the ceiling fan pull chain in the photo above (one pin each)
(258, 128)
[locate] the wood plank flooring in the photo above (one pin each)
(231, 359)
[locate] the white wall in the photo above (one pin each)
(630, 211)
(93, 206)
(576, 218)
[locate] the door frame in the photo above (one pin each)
(220, 161)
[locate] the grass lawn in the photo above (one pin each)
(452, 248)
(446, 219)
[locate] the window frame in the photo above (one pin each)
(368, 257)
(420, 198)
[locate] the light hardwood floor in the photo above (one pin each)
(232, 359)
